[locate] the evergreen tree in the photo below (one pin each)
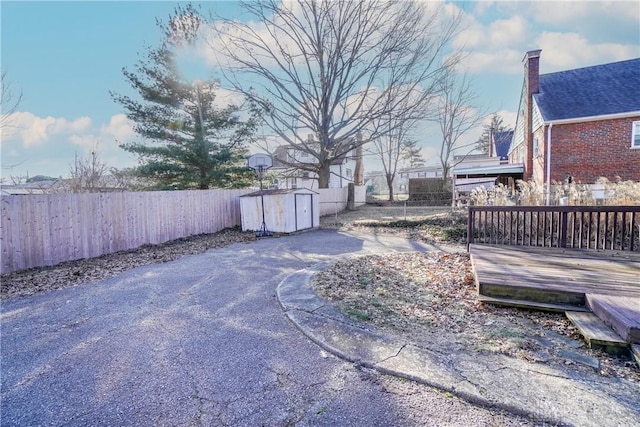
(412, 154)
(188, 141)
(488, 131)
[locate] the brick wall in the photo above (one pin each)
(590, 150)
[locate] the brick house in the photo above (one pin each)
(580, 124)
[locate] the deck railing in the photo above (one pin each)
(588, 227)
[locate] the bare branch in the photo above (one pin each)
(9, 101)
(457, 115)
(336, 69)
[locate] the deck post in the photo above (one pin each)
(470, 227)
(563, 229)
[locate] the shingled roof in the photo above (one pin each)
(502, 143)
(592, 91)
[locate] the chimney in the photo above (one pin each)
(532, 70)
(531, 62)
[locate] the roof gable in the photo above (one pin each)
(502, 143)
(592, 91)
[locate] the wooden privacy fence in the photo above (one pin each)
(588, 227)
(42, 230)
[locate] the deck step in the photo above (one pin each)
(533, 305)
(501, 288)
(597, 333)
(622, 314)
(635, 352)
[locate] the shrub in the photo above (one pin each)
(530, 193)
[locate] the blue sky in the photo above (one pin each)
(65, 57)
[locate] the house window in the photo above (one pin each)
(349, 173)
(635, 135)
(536, 143)
(294, 183)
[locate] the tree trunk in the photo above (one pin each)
(324, 173)
(390, 186)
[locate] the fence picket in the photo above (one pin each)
(569, 226)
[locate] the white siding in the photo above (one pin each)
(537, 119)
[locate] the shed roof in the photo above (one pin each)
(591, 91)
(512, 168)
(278, 191)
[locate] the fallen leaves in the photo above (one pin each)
(73, 273)
(430, 299)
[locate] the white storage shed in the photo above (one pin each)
(285, 211)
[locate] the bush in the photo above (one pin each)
(530, 193)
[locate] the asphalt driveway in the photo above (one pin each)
(198, 341)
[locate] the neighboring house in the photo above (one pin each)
(46, 186)
(422, 172)
(482, 170)
(578, 125)
(105, 184)
(500, 145)
(343, 169)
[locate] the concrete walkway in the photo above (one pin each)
(203, 341)
(537, 391)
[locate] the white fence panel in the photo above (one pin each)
(334, 200)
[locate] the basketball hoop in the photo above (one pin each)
(260, 163)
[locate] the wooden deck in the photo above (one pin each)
(605, 282)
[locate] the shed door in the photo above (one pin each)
(304, 211)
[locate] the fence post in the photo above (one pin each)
(470, 223)
(351, 196)
(563, 229)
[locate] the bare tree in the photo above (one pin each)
(457, 114)
(9, 103)
(88, 175)
(9, 100)
(334, 69)
(393, 147)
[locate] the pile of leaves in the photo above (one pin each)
(430, 299)
(73, 273)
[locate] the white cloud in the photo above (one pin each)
(570, 34)
(508, 118)
(33, 131)
(563, 51)
(47, 145)
(583, 13)
(119, 128)
(30, 131)
(108, 137)
(504, 61)
(507, 32)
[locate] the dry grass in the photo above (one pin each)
(430, 299)
(529, 193)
